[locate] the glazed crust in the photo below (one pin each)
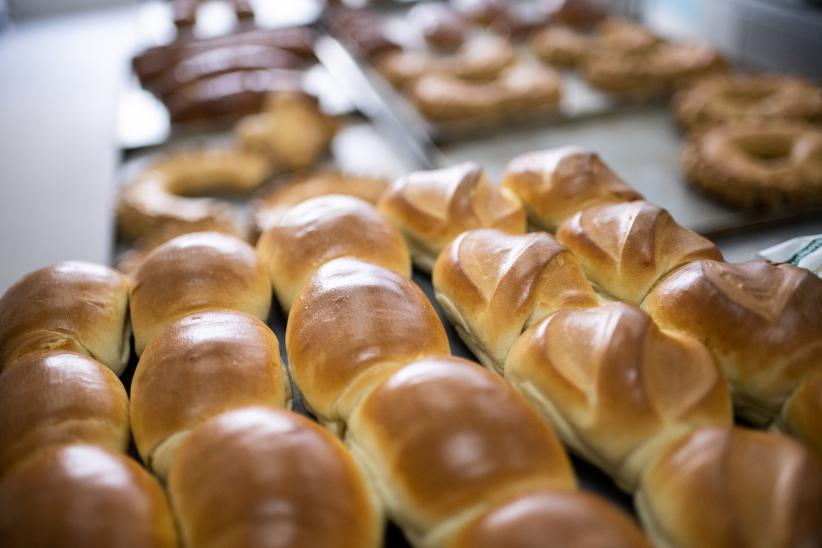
(625, 248)
(592, 371)
(431, 208)
(722, 487)
(174, 387)
(493, 286)
(195, 272)
(548, 517)
(554, 184)
(282, 481)
(762, 322)
(81, 495)
(442, 435)
(801, 416)
(56, 398)
(351, 325)
(767, 164)
(267, 210)
(320, 229)
(74, 306)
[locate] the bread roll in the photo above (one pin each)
(196, 272)
(615, 387)
(74, 306)
(442, 437)
(548, 517)
(723, 487)
(82, 495)
(431, 208)
(197, 367)
(270, 478)
(352, 324)
(320, 229)
(801, 416)
(762, 322)
(625, 248)
(267, 210)
(56, 398)
(493, 285)
(554, 184)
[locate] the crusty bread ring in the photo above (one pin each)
(801, 416)
(725, 98)
(162, 195)
(757, 164)
(268, 209)
(478, 59)
(518, 88)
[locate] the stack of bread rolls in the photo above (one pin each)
(545, 312)
(444, 443)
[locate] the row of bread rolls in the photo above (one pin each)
(457, 457)
(592, 368)
(203, 361)
(64, 417)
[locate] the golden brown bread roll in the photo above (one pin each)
(722, 487)
(443, 436)
(164, 195)
(75, 306)
(82, 495)
(320, 229)
(493, 285)
(431, 208)
(196, 272)
(351, 325)
(801, 416)
(270, 478)
(554, 184)
(762, 322)
(625, 248)
(548, 517)
(292, 131)
(56, 398)
(267, 210)
(615, 387)
(198, 367)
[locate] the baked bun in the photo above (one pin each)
(350, 326)
(801, 416)
(56, 398)
(554, 184)
(292, 132)
(431, 208)
(267, 210)
(82, 495)
(493, 285)
(625, 248)
(196, 272)
(723, 487)
(615, 387)
(442, 437)
(548, 517)
(320, 229)
(762, 322)
(75, 306)
(281, 481)
(197, 367)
